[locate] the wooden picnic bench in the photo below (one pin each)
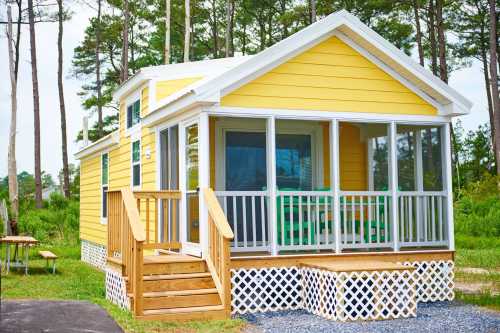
(49, 255)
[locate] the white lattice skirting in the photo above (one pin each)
(94, 254)
(116, 288)
(365, 295)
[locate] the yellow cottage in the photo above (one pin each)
(313, 175)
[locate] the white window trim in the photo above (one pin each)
(132, 163)
(104, 220)
(131, 99)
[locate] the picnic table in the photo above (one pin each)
(24, 242)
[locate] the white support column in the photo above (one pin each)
(393, 176)
(448, 182)
(182, 185)
(335, 180)
(419, 183)
(271, 182)
(203, 178)
(369, 148)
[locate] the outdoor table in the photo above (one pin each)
(19, 241)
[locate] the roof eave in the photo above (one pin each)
(108, 141)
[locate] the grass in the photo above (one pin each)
(76, 280)
(479, 258)
(484, 299)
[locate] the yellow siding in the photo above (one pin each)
(167, 88)
(91, 228)
(353, 159)
(331, 76)
(119, 176)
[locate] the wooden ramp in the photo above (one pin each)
(178, 287)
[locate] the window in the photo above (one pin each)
(192, 157)
(133, 113)
(104, 185)
(136, 163)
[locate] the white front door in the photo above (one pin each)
(190, 228)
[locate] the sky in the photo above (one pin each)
(468, 81)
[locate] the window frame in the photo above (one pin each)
(104, 219)
(132, 163)
(131, 100)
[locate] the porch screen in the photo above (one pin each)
(245, 161)
(293, 162)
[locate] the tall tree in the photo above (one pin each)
(431, 27)
(98, 69)
(443, 66)
(418, 32)
(229, 28)
(62, 107)
(494, 79)
(12, 169)
(312, 4)
(36, 106)
(187, 31)
(124, 61)
(167, 32)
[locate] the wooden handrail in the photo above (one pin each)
(217, 214)
(219, 255)
(133, 215)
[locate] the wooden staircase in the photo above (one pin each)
(178, 287)
(169, 286)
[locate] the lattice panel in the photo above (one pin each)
(433, 280)
(359, 295)
(266, 289)
(93, 254)
(116, 289)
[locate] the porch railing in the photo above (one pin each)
(248, 217)
(219, 253)
(422, 219)
(305, 220)
(365, 220)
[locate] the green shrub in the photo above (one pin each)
(477, 210)
(57, 222)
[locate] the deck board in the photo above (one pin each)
(358, 266)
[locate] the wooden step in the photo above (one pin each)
(181, 299)
(212, 312)
(174, 282)
(175, 268)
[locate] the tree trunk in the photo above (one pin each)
(420, 48)
(100, 124)
(124, 72)
(62, 106)
(13, 192)
(484, 60)
(494, 79)
(229, 27)
(18, 36)
(312, 4)
(187, 30)
(167, 32)
(443, 67)
(36, 106)
(215, 35)
(432, 38)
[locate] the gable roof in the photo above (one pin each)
(347, 27)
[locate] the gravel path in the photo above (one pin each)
(437, 317)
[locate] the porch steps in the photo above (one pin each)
(178, 287)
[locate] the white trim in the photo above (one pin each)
(130, 100)
(335, 180)
(203, 178)
(104, 219)
(326, 115)
(393, 177)
(448, 182)
(104, 143)
(132, 163)
(271, 182)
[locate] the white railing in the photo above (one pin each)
(422, 219)
(365, 219)
(304, 220)
(248, 216)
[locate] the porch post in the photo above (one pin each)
(271, 182)
(447, 182)
(203, 179)
(393, 176)
(335, 180)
